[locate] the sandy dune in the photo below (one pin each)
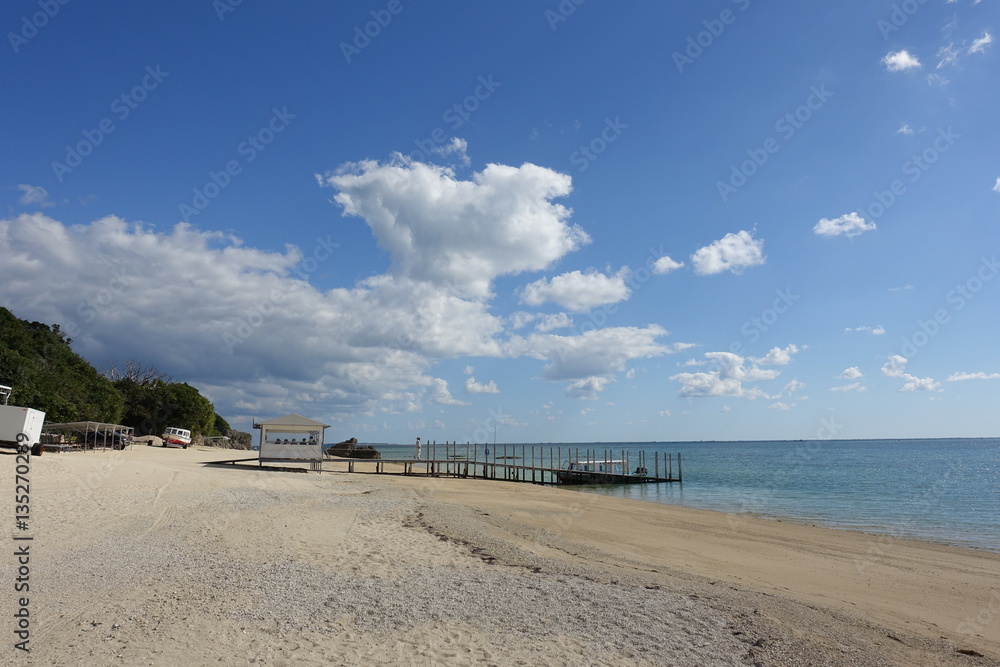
(148, 557)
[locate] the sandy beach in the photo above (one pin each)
(149, 557)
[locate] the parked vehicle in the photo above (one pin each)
(15, 421)
(176, 437)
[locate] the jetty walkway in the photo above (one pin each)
(536, 464)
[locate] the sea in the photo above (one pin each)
(939, 490)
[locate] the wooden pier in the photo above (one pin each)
(535, 464)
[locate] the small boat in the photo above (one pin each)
(176, 436)
(610, 471)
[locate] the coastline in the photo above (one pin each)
(148, 557)
(903, 488)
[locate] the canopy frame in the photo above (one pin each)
(310, 450)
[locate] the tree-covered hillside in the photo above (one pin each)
(46, 374)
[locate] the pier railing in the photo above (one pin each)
(536, 464)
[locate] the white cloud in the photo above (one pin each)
(948, 55)
(587, 389)
(781, 406)
(905, 129)
(896, 61)
(960, 377)
(875, 331)
(996, 186)
(979, 45)
(457, 147)
(914, 383)
(473, 387)
(849, 225)
(778, 356)
(854, 386)
(554, 321)
(459, 234)
(793, 387)
(904, 288)
(852, 373)
(594, 353)
(249, 328)
(521, 319)
(896, 367)
(733, 252)
(577, 291)
(439, 393)
(34, 195)
(727, 378)
(468, 370)
(665, 265)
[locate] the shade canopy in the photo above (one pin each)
(292, 423)
(86, 428)
(275, 450)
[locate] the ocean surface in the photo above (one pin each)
(941, 490)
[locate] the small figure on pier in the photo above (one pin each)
(417, 455)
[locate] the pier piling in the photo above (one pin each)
(593, 467)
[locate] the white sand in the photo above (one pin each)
(146, 557)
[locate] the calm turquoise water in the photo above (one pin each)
(940, 490)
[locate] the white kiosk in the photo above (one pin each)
(305, 445)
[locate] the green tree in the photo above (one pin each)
(47, 375)
(188, 409)
(221, 426)
(37, 361)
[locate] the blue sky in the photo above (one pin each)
(566, 221)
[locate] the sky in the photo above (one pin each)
(543, 221)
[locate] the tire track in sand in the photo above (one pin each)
(168, 513)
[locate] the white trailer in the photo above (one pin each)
(15, 420)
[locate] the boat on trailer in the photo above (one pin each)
(180, 437)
